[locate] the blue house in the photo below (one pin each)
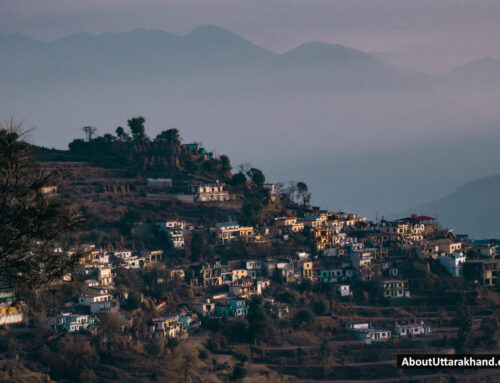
(231, 308)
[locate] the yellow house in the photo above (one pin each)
(239, 274)
(448, 246)
(229, 232)
(176, 273)
(152, 256)
(307, 270)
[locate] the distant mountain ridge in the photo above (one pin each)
(472, 209)
(482, 72)
(145, 54)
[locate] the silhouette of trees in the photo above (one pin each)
(197, 245)
(136, 125)
(122, 135)
(169, 136)
(238, 179)
(32, 217)
(239, 372)
(303, 318)
(257, 319)
(89, 132)
(225, 164)
(257, 177)
(464, 319)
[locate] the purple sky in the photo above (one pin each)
(431, 35)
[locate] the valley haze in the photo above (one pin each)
(365, 135)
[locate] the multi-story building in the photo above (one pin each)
(97, 301)
(395, 288)
(230, 308)
(152, 256)
(325, 237)
(289, 224)
(105, 276)
(177, 237)
(482, 271)
(447, 246)
(228, 232)
(453, 263)
(209, 192)
(93, 296)
(208, 274)
(239, 273)
(307, 270)
(205, 309)
(70, 322)
(312, 221)
(255, 268)
(167, 326)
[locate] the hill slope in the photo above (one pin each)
(482, 72)
(473, 208)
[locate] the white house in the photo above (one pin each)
(209, 192)
(412, 329)
(453, 263)
(344, 290)
(177, 237)
(93, 297)
(69, 322)
(175, 231)
(374, 335)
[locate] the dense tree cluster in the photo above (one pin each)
(134, 151)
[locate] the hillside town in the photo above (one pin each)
(304, 293)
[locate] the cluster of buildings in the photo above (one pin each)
(97, 268)
(341, 248)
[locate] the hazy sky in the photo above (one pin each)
(432, 35)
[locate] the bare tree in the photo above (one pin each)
(32, 218)
(89, 132)
(244, 168)
(189, 362)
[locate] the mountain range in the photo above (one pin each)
(142, 54)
